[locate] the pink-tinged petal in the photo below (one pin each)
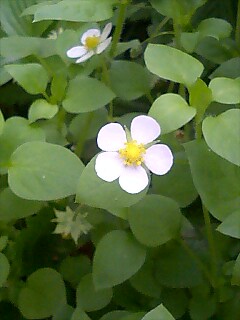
(108, 166)
(90, 33)
(144, 129)
(85, 57)
(103, 45)
(106, 31)
(76, 52)
(111, 137)
(133, 179)
(158, 159)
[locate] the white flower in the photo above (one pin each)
(130, 159)
(93, 42)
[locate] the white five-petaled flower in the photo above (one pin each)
(93, 42)
(131, 158)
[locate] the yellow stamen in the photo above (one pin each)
(92, 42)
(132, 153)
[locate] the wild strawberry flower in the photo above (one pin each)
(129, 156)
(93, 42)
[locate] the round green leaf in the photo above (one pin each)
(176, 269)
(89, 298)
(118, 256)
(12, 207)
(214, 27)
(4, 269)
(16, 132)
(171, 111)
(44, 171)
(95, 192)
(172, 64)
(31, 76)
(178, 183)
(159, 313)
(216, 180)
(86, 94)
(222, 134)
(43, 294)
(225, 90)
(231, 225)
(41, 109)
(129, 80)
(161, 223)
(229, 69)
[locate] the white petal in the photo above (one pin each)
(103, 45)
(133, 179)
(90, 33)
(159, 159)
(106, 31)
(108, 166)
(111, 137)
(144, 129)
(76, 52)
(85, 57)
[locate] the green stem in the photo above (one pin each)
(237, 32)
(149, 97)
(83, 137)
(158, 35)
(46, 96)
(45, 65)
(119, 26)
(198, 261)
(106, 80)
(211, 243)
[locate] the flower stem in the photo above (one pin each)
(83, 137)
(237, 32)
(211, 243)
(119, 26)
(106, 80)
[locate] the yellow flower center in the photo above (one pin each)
(132, 153)
(92, 42)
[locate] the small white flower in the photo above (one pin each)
(93, 42)
(130, 159)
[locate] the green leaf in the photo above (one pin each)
(12, 207)
(118, 256)
(129, 80)
(89, 298)
(2, 122)
(72, 10)
(79, 314)
(32, 77)
(4, 269)
(58, 87)
(115, 315)
(18, 47)
(86, 94)
(43, 294)
(95, 192)
(172, 64)
(189, 41)
(175, 300)
(64, 312)
(161, 224)
(177, 184)
(229, 69)
(41, 109)
(196, 309)
(16, 131)
(216, 180)
(171, 111)
(44, 171)
(222, 134)
(214, 27)
(74, 268)
(175, 268)
(3, 242)
(225, 90)
(236, 272)
(231, 225)
(159, 313)
(200, 96)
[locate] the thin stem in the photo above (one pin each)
(119, 26)
(149, 97)
(158, 35)
(211, 243)
(46, 96)
(237, 32)
(198, 261)
(83, 137)
(106, 80)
